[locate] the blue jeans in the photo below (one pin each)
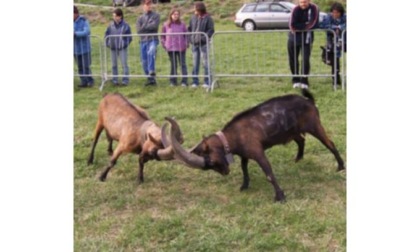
(175, 57)
(200, 51)
(122, 55)
(148, 56)
(83, 65)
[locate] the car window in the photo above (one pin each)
(261, 7)
(277, 8)
(249, 8)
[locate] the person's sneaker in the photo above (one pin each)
(82, 85)
(205, 86)
(194, 85)
(296, 85)
(116, 84)
(172, 85)
(150, 83)
(304, 86)
(184, 85)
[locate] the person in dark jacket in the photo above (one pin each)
(147, 26)
(304, 17)
(201, 21)
(118, 38)
(81, 48)
(335, 21)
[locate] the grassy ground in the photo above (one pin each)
(179, 209)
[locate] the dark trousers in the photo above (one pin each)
(175, 57)
(83, 65)
(336, 72)
(294, 51)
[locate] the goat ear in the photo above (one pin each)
(156, 142)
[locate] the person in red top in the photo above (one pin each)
(304, 17)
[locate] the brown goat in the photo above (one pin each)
(276, 121)
(131, 126)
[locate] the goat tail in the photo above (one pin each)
(307, 94)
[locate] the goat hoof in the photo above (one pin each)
(102, 178)
(280, 198)
(340, 168)
(243, 188)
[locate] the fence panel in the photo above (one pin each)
(230, 54)
(262, 54)
(96, 58)
(162, 61)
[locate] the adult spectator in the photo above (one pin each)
(82, 49)
(147, 25)
(201, 21)
(336, 21)
(118, 38)
(304, 17)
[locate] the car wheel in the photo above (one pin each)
(249, 25)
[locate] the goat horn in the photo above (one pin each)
(189, 159)
(166, 154)
(165, 140)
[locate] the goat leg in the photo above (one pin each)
(112, 162)
(320, 134)
(140, 177)
(98, 131)
(109, 138)
(301, 146)
(244, 166)
(266, 167)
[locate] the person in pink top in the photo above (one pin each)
(176, 45)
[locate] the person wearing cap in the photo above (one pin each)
(201, 21)
(81, 48)
(147, 26)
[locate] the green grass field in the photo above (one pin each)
(180, 209)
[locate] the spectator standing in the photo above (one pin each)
(336, 20)
(201, 21)
(118, 38)
(304, 17)
(175, 45)
(147, 25)
(82, 49)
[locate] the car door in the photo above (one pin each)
(279, 16)
(262, 15)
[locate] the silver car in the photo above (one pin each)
(266, 15)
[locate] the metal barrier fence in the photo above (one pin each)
(96, 66)
(264, 54)
(344, 57)
(162, 61)
(230, 54)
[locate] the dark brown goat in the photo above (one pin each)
(276, 121)
(131, 126)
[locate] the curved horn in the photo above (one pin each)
(189, 159)
(178, 133)
(164, 138)
(166, 154)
